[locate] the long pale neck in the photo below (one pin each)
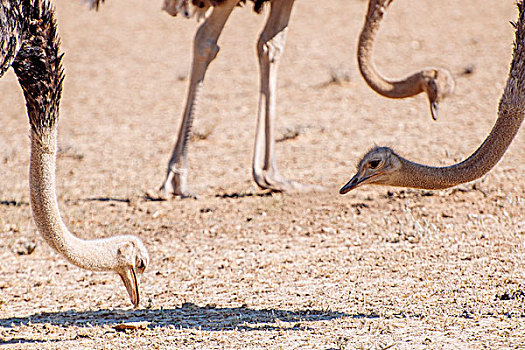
(410, 86)
(510, 116)
(88, 254)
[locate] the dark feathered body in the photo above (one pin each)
(257, 4)
(202, 4)
(30, 45)
(11, 23)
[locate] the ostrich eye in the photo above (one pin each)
(140, 265)
(374, 163)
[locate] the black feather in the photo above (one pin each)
(38, 63)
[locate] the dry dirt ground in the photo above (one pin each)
(240, 268)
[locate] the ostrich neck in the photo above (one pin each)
(479, 163)
(88, 254)
(410, 86)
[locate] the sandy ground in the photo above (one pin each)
(239, 268)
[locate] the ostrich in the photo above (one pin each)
(437, 83)
(30, 44)
(270, 47)
(382, 166)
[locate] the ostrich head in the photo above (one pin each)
(380, 165)
(132, 259)
(437, 84)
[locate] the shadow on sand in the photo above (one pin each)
(187, 316)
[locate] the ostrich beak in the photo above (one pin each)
(357, 181)
(434, 109)
(129, 277)
(350, 185)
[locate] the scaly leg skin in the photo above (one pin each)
(204, 51)
(270, 47)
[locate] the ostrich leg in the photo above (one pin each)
(269, 48)
(204, 51)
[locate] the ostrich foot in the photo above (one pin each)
(272, 180)
(175, 185)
